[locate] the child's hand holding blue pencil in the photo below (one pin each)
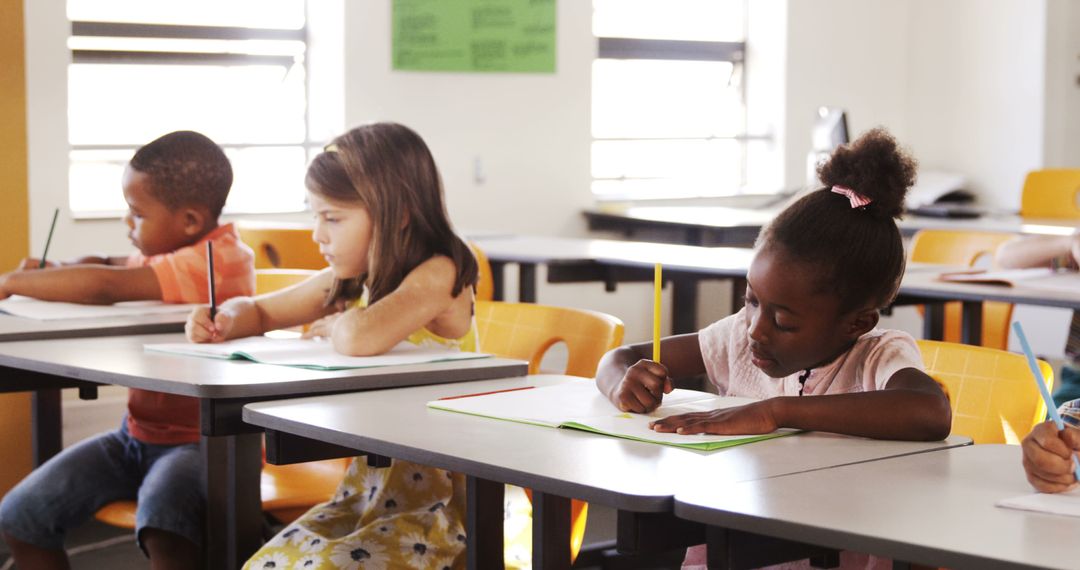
(1041, 450)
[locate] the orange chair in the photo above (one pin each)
(485, 284)
(527, 331)
(951, 247)
(1051, 193)
(281, 245)
(991, 392)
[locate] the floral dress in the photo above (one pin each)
(406, 515)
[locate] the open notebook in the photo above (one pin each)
(309, 353)
(50, 310)
(579, 405)
(1042, 278)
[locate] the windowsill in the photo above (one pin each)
(112, 215)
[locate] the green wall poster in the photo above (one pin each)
(474, 35)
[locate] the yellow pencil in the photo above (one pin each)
(658, 287)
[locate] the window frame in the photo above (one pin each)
(82, 28)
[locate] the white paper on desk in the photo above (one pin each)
(1067, 504)
(26, 307)
(309, 353)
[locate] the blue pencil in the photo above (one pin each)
(1041, 382)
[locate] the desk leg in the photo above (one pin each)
(234, 507)
(550, 531)
(971, 317)
(684, 297)
(46, 419)
(498, 280)
(484, 523)
(934, 321)
(730, 549)
(526, 282)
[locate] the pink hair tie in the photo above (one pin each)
(857, 200)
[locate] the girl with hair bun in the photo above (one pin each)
(806, 343)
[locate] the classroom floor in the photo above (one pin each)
(95, 546)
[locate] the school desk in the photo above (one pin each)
(639, 479)
(935, 509)
(706, 224)
(19, 328)
(232, 448)
(578, 260)
(924, 286)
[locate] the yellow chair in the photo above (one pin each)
(269, 280)
(485, 284)
(953, 247)
(1051, 193)
(527, 331)
(287, 491)
(993, 396)
(281, 245)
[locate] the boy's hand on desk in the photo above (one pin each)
(744, 420)
(642, 387)
(199, 328)
(4, 293)
(34, 263)
(322, 327)
(1048, 459)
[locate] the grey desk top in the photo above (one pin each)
(925, 283)
(122, 361)
(19, 328)
(720, 217)
(540, 249)
(930, 508)
(620, 473)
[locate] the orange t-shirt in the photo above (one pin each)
(168, 419)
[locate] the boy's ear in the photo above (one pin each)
(863, 322)
(194, 220)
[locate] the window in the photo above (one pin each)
(234, 70)
(668, 117)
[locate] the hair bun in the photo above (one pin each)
(875, 166)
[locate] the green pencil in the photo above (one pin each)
(48, 240)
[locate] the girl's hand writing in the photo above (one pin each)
(1048, 457)
(743, 420)
(322, 327)
(642, 387)
(199, 328)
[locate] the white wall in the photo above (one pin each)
(529, 131)
(977, 101)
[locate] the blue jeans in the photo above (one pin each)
(1068, 385)
(68, 489)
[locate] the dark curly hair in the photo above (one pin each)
(186, 169)
(858, 250)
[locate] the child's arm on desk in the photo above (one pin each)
(35, 263)
(1048, 457)
(634, 383)
(250, 316)
(1038, 251)
(89, 284)
(911, 407)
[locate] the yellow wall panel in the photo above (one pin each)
(15, 454)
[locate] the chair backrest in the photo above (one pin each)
(485, 284)
(270, 280)
(528, 330)
(958, 247)
(994, 399)
(1051, 193)
(281, 246)
(955, 247)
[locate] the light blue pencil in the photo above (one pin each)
(1041, 382)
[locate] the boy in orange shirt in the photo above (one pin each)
(175, 188)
